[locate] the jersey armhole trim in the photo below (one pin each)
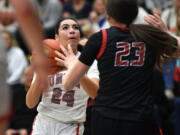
(103, 45)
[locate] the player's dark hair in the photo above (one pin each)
(59, 23)
(125, 11)
(162, 43)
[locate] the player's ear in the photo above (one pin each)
(108, 17)
(56, 37)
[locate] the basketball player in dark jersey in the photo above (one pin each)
(126, 55)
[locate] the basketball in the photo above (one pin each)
(50, 45)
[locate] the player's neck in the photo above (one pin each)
(113, 22)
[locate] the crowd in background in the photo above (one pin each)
(91, 17)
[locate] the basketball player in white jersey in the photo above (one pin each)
(62, 112)
(29, 23)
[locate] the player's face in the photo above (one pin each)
(69, 34)
(7, 39)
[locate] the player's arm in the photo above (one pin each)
(32, 32)
(69, 60)
(29, 23)
(74, 74)
(157, 22)
(34, 93)
(90, 85)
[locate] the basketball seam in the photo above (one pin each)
(49, 47)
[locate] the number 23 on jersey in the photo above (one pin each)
(122, 56)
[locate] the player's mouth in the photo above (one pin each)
(72, 38)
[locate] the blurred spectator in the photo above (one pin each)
(6, 7)
(15, 58)
(142, 3)
(91, 1)
(78, 9)
(177, 116)
(5, 98)
(140, 17)
(97, 16)
(157, 6)
(17, 62)
(169, 15)
(22, 121)
(63, 2)
(163, 109)
(87, 30)
(50, 11)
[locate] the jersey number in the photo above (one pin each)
(67, 97)
(125, 52)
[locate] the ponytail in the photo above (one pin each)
(162, 44)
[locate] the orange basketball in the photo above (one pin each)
(50, 45)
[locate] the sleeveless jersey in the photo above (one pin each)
(126, 68)
(65, 106)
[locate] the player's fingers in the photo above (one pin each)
(63, 50)
(70, 51)
(60, 55)
(148, 20)
(153, 19)
(59, 62)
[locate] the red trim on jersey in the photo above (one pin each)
(77, 129)
(90, 103)
(103, 45)
(121, 27)
(161, 133)
(7, 116)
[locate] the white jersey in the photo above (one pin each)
(65, 106)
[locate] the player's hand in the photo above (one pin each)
(22, 132)
(67, 58)
(11, 132)
(156, 21)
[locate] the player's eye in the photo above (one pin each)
(76, 27)
(65, 27)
